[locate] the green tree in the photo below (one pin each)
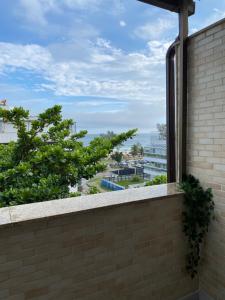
(109, 134)
(141, 150)
(136, 179)
(162, 129)
(159, 179)
(93, 190)
(137, 149)
(47, 159)
(134, 150)
(117, 156)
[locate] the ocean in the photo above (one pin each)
(145, 139)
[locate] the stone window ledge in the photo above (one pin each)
(47, 209)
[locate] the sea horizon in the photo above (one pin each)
(145, 139)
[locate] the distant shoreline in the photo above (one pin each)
(145, 139)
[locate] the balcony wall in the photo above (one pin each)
(206, 141)
(121, 245)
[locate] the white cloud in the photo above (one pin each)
(107, 71)
(217, 15)
(193, 30)
(123, 23)
(155, 29)
(131, 84)
(137, 114)
(82, 4)
(34, 11)
(30, 57)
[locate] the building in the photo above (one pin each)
(8, 132)
(155, 159)
(129, 244)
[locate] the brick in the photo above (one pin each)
(34, 293)
(106, 252)
(209, 164)
(206, 141)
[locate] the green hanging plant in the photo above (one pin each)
(197, 214)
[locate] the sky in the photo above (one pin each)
(102, 60)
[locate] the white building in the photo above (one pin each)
(155, 159)
(8, 132)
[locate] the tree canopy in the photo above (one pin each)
(117, 156)
(46, 160)
(159, 179)
(137, 149)
(109, 134)
(162, 129)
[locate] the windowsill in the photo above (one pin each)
(47, 209)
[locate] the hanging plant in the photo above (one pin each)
(197, 214)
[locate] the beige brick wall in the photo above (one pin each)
(206, 142)
(128, 251)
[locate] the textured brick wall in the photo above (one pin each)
(131, 251)
(206, 142)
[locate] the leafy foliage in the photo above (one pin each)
(74, 194)
(162, 128)
(137, 149)
(199, 207)
(159, 179)
(93, 190)
(47, 159)
(117, 156)
(136, 179)
(109, 134)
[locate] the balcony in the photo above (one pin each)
(129, 244)
(118, 245)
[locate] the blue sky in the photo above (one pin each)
(102, 60)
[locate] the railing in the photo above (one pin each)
(117, 245)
